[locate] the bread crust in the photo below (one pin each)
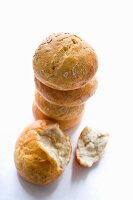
(58, 112)
(70, 97)
(64, 124)
(33, 161)
(64, 61)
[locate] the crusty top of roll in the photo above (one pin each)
(64, 61)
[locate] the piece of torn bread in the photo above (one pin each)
(90, 147)
(42, 151)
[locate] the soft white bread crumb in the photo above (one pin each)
(90, 147)
(57, 144)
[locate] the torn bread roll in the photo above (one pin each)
(90, 147)
(58, 112)
(64, 61)
(64, 124)
(42, 151)
(70, 97)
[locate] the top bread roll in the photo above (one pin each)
(64, 61)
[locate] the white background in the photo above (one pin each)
(108, 27)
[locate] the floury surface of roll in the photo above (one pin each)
(64, 61)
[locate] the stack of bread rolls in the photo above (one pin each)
(64, 67)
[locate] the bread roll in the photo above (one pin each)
(67, 98)
(64, 62)
(64, 124)
(42, 151)
(58, 112)
(90, 147)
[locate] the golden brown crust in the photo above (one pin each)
(58, 112)
(64, 62)
(33, 161)
(64, 124)
(70, 97)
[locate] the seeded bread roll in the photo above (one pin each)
(64, 62)
(64, 124)
(42, 151)
(67, 98)
(58, 112)
(90, 147)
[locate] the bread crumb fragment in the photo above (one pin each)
(90, 147)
